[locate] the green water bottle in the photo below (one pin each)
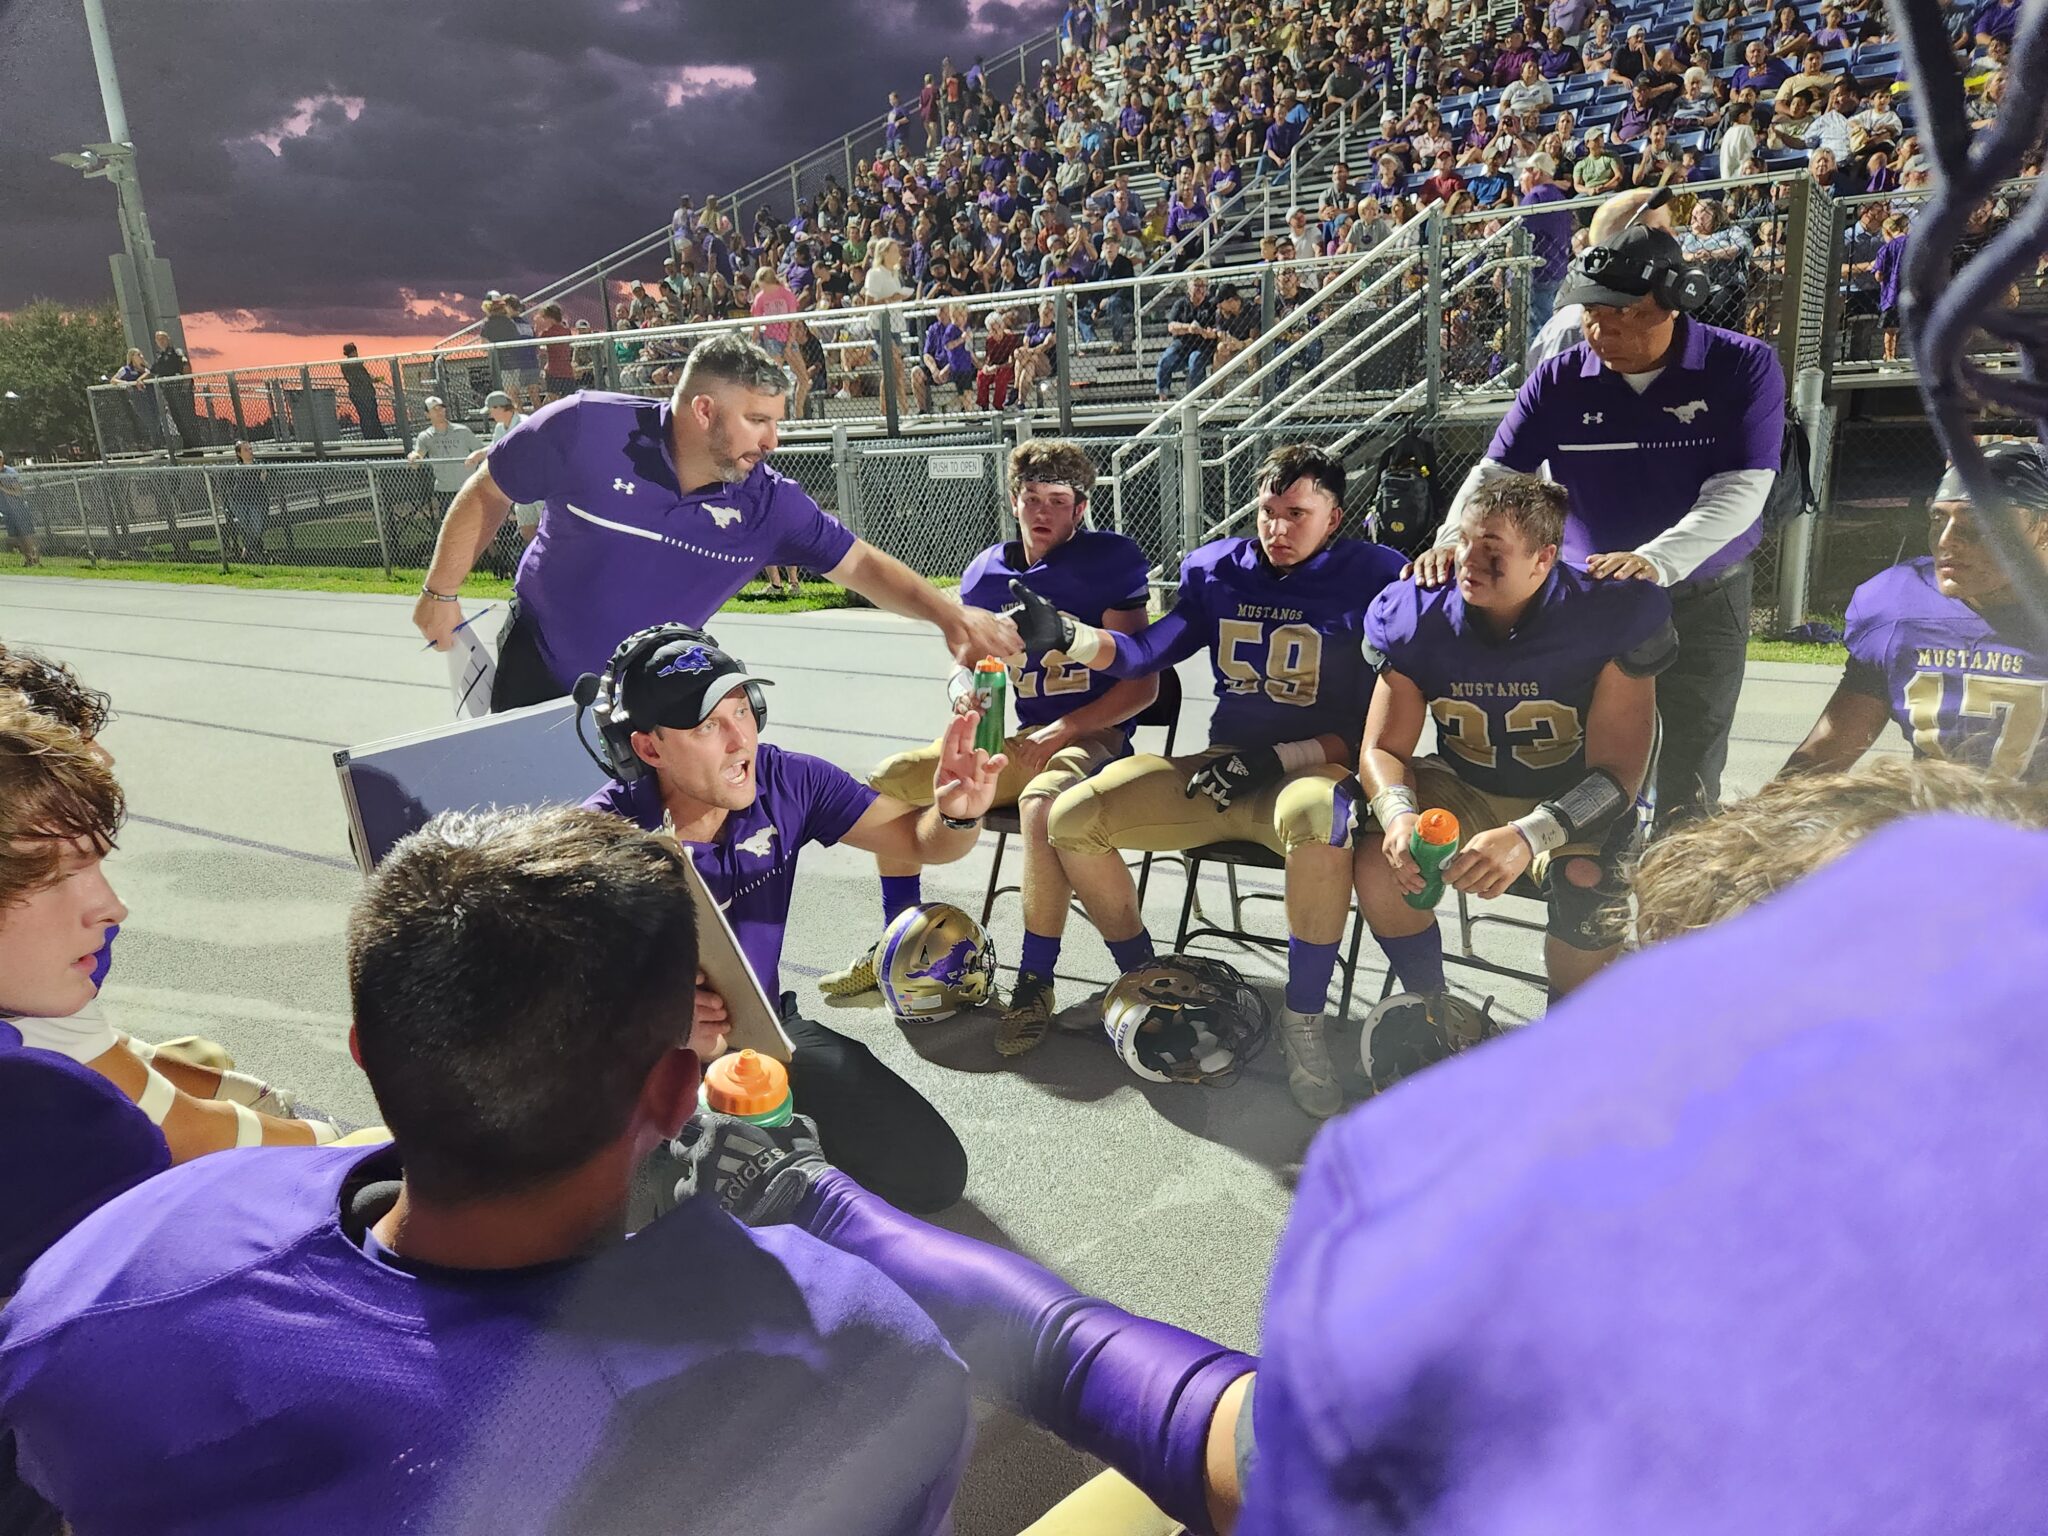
(991, 697)
(1433, 844)
(749, 1087)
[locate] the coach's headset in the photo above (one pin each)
(603, 696)
(1678, 287)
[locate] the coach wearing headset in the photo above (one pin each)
(1666, 433)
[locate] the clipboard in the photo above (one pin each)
(756, 1022)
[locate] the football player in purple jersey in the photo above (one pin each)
(1281, 616)
(1071, 721)
(1942, 646)
(657, 512)
(1542, 682)
(680, 722)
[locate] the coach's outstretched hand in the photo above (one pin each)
(757, 1173)
(1433, 567)
(964, 783)
(1239, 774)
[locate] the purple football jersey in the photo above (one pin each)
(1743, 1236)
(1511, 714)
(219, 1353)
(1958, 688)
(69, 1142)
(1634, 463)
(1086, 577)
(1283, 644)
(622, 545)
(751, 868)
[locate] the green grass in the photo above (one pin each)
(1795, 650)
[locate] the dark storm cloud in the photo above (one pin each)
(496, 144)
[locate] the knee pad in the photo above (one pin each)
(1587, 917)
(907, 776)
(1314, 807)
(1076, 823)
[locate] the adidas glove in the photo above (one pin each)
(1241, 773)
(756, 1173)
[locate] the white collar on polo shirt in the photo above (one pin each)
(1642, 381)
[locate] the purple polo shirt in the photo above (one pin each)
(1634, 464)
(1744, 1236)
(222, 1352)
(750, 867)
(622, 545)
(1550, 235)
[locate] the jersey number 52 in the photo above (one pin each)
(1291, 669)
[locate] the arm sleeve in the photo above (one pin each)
(529, 463)
(1139, 1394)
(1172, 640)
(1728, 504)
(805, 533)
(1868, 638)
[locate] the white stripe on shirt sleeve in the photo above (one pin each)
(1728, 503)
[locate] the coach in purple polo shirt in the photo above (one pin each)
(655, 513)
(1667, 434)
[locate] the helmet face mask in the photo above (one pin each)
(1185, 1019)
(935, 961)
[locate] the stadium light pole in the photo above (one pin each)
(142, 279)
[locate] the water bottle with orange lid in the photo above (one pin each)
(1433, 844)
(750, 1087)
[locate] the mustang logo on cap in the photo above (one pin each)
(694, 659)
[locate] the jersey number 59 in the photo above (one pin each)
(1291, 670)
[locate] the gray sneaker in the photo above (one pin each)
(1311, 1075)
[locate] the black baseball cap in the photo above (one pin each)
(1623, 270)
(679, 684)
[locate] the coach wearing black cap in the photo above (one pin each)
(1666, 433)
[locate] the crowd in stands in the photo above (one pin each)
(971, 191)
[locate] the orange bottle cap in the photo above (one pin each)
(746, 1083)
(1437, 826)
(989, 664)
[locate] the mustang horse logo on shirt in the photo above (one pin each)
(761, 844)
(725, 517)
(1688, 411)
(693, 659)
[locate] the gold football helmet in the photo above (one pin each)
(1185, 1019)
(934, 961)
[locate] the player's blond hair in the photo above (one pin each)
(1719, 867)
(1532, 505)
(1055, 459)
(53, 791)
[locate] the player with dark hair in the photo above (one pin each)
(1071, 721)
(450, 1334)
(1281, 615)
(684, 721)
(657, 512)
(1942, 645)
(1541, 681)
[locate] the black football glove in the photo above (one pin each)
(758, 1174)
(1041, 626)
(1241, 773)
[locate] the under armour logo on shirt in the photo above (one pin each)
(725, 517)
(1686, 412)
(760, 845)
(624, 485)
(1592, 419)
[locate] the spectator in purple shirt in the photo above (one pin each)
(1507, 67)
(1550, 236)
(1637, 116)
(657, 513)
(1759, 69)
(1995, 20)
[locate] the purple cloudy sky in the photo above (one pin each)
(332, 166)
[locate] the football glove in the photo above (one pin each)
(1041, 626)
(1226, 779)
(758, 1174)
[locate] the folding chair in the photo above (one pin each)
(1234, 856)
(1163, 712)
